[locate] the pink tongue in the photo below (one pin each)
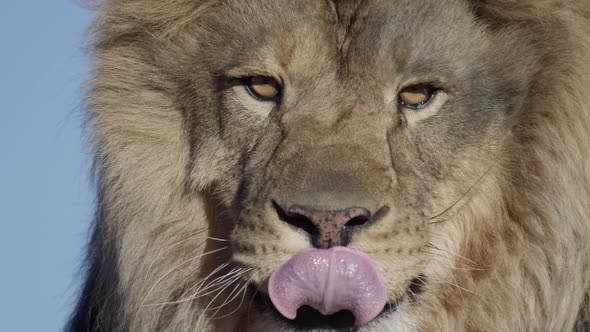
(329, 280)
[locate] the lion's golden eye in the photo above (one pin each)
(416, 96)
(263, 88)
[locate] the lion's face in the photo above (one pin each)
(349, 125)
(376, 165)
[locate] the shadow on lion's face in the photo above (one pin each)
(349, 133)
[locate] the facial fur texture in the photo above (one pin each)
(483, 194)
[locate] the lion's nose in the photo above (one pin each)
(327, 228)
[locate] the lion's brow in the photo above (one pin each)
(346, 15)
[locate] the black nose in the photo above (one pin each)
(327, 228)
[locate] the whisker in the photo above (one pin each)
(175, 268)
(455, 268)
(230, 297)
(221, 282)
(218, 294)
(216, 239)
(243, 290)
(441, 281)
(172, 246)
(462, 196)
(186, 299)
(451, 260)
(430, 245)
(212, 273)
(213, 283)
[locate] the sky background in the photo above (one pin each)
(46, 196)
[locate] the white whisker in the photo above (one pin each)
(176, 267)
(243, 290)
(207, 308)
(216, 239)
(193, 296)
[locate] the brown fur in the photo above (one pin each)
(487, 190)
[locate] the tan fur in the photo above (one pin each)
(502, 240)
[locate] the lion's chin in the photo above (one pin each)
(310, 319)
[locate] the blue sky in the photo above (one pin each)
(46, 200)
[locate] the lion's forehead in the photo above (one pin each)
(369, 40)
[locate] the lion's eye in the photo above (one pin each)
(416, 96)
(263, 88)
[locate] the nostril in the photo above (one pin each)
(296, 219)
(357, 221)
(326, 227)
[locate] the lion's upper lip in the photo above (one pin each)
(329, 280)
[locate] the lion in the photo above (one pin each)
(339, 165)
